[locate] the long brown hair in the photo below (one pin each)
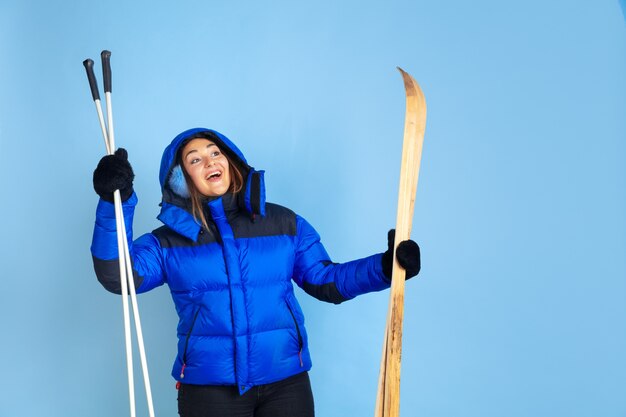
(197, 199)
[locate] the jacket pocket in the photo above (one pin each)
(300, 338)
(193, 323)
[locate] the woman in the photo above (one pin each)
(228, 258)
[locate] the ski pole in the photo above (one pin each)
(388, 396)
(95, 94)
(88, 63)
(126, 275)
(106, 72)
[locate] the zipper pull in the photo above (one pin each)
(300, 356)
(182, 371)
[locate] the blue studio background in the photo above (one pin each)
(520, 308)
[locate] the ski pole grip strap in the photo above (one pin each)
(106, 70)
(93, 84)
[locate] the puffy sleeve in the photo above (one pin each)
(146, 255)
(333, 282)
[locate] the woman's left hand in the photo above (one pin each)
(407, 254)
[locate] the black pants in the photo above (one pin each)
(291, 397)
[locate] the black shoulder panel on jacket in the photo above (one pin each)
(170, 239)
(108, 273)
(278, 220)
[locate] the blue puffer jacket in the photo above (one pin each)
(240, 323)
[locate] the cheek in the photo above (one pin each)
(194, 173)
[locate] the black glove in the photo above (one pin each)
(407, 254)
(114, 173)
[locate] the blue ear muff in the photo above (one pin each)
(177, 182)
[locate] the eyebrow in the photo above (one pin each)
(195, 150)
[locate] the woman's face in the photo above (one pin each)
(207, 166)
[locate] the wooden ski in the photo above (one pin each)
(388, 396)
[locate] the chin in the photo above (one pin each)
(216, 193)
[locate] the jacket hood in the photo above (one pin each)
(176, 204)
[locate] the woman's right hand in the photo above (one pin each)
(114, 173)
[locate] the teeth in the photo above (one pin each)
(215, 174)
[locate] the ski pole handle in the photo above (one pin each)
(106, 70)
(93, 84)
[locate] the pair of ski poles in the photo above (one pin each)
(125, 264)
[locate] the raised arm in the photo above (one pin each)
(114, 172)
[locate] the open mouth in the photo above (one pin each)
(214, 176)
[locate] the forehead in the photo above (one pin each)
(196, 144)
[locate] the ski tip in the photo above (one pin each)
(405, 74)
(410, 85)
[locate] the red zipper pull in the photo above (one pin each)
(182, 371)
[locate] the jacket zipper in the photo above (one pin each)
(300, 342)
(182, 370)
